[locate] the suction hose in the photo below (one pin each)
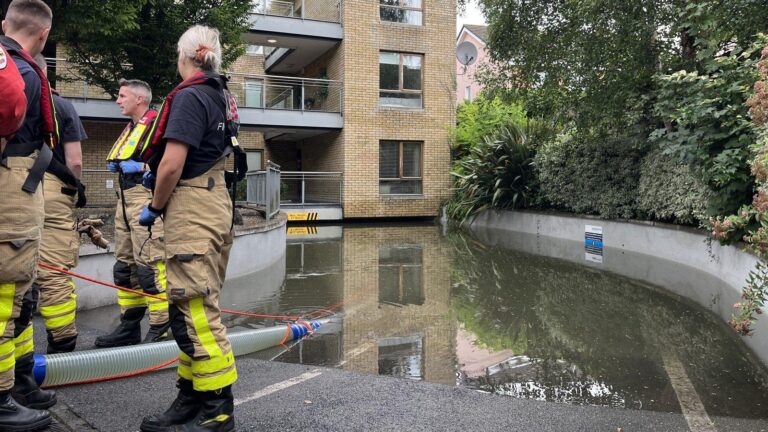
(80, 366)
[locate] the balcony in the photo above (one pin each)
(283, 108)
(295, 32)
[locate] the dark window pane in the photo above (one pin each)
(389, 71)
(389, 284)
(411, 160)
(412, 72)
(389, 158)
(407, 100)
(400, 187)
(413, 292)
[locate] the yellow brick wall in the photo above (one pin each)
(365, 123)
(101, 136)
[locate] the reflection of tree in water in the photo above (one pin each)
(594, 337)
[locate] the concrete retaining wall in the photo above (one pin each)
(254, 251)
(678, 259)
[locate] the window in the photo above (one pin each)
(400, 167)
(254, 49)
(253, 93)
(401, 275)
(402, 357)
(255, 158)
(468, 94)
(401, 11)
(400, 79)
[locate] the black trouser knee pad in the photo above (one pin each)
(179, 330)
(121, 273)
(147, 280)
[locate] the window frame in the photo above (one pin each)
(400, 153)
(260, 151)
(401, 78)
(405, 8)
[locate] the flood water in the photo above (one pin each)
(416, 303)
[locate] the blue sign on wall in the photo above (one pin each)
(593, 243)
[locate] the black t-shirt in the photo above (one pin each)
(70, 127)
(198, 121)
(31, 129)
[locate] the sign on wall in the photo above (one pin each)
(593, 243)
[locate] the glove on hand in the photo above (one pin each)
(131, 167)
(148, 180)
(113, 166)
(148, 216)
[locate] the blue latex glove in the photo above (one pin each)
(131, 167)
(113, 166)
(148, 180)
(148, 216)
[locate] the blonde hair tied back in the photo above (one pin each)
(201, 45)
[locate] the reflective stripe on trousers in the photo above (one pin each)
(198, 241)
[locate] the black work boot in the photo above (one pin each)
(60, 346)
(183, 409)
(157, 333)
(128, 332)
(25, 389)
(216, 413)
(15, 417)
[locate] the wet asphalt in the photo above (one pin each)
(274, 396)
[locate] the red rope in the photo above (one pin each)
(141, 293)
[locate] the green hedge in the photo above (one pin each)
(588, 176)
(668, 191)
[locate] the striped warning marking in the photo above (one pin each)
(302, 230)
(309, 216)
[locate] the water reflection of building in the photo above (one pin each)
(394, 283)
(397, 303)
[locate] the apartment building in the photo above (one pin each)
(351, 98)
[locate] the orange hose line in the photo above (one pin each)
(123, 375)
(141, 293)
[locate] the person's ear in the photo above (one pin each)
(43, 35)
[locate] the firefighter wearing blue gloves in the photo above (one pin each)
(140, 256)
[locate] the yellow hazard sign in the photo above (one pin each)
(302, 230)
(311, 216)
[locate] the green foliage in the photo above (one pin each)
(708, 127)
(481, 118)
(590, 176)
(496, 173)
(109, 40)
(669, 192)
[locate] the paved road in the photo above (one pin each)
(274, 396)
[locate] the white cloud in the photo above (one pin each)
(471, 15)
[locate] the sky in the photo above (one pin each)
(471, 16)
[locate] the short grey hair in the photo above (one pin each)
(139, 87)
(201, 45)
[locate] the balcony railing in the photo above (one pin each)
(316, 10)
(263, 189)
(307, 188)
(287, 93)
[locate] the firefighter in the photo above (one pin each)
(191, 195)
(23, 163)
(60, 243)
(139, 257)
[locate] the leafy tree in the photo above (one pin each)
(108, 39)
(480, 118)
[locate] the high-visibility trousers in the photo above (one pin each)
(198, 239)
(21, 221)
(140, 259)
(59, 247)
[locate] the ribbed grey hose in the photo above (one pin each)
(80, 366)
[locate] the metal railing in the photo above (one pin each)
(316, 10)
(263, 189)
(287, 93)
(308, 188)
